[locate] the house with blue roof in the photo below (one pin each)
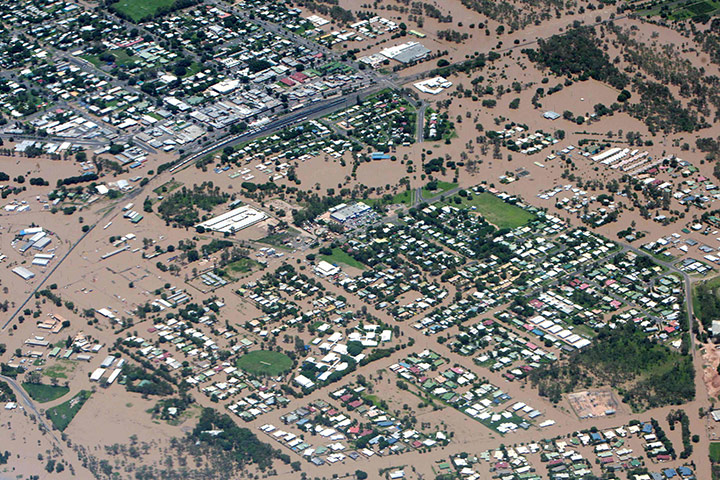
(685, 472)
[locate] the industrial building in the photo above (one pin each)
(234, 220)
(39, 239)
(24, 273)
(406, 52)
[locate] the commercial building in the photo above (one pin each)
(326, 269)
(343, 213)
(434, 85)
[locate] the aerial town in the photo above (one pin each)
(328, 239)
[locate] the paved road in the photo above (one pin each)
(437, 198)
(376, 80)
(115, 211)
(310, 112)
(420, 135)
(76, 141)
(688, 287)
(49, 274)
(418, 199)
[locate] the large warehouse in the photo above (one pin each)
(406, 52)
(234, 220)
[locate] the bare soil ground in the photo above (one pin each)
(592, 404)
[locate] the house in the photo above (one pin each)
(715, 329)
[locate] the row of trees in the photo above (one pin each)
(335, 11)
(680, 416)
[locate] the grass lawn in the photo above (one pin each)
(450, 134)
(122, 58)
(242, 266)
(59, 369)
(339, 256)
(44, 393)
(193, 69)
(61, 415)
(166, 188)
(193, 411)
(277, 240)
(442, 187)
(585, 330)
(372, 201)
(265, 362)
(405, 198)
(498, 212)
(139, 9)
(92, 59)
(373, 398)
(664, 257)
(715, 451)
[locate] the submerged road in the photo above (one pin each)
(20, 392)
(45, 279)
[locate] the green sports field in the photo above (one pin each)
(139, 9)
(44, 393)
(498, 212)
(265, 362)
